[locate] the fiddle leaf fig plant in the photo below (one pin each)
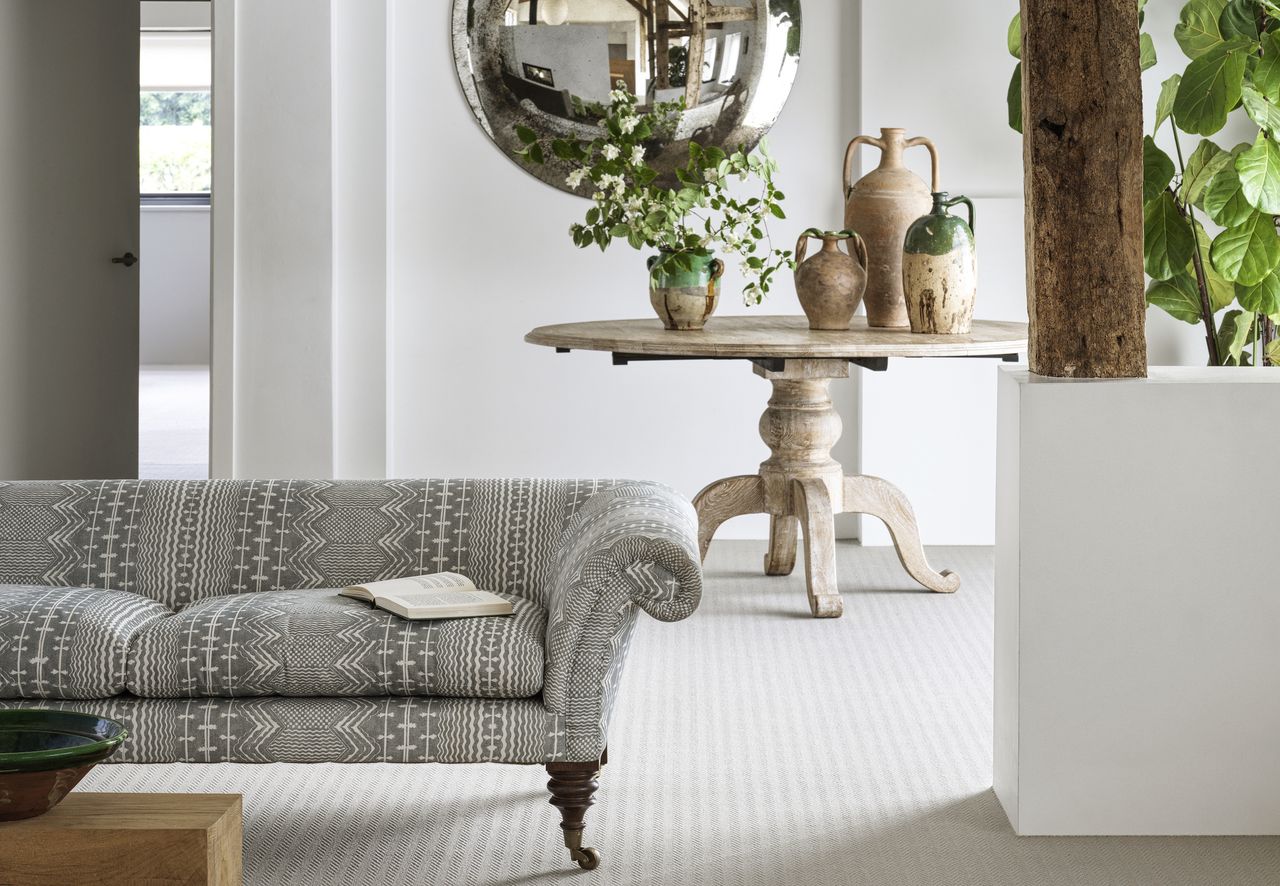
(706, 211)
(1227, 278)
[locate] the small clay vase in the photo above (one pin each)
(684, 300)
(830, 283)
(940, 270)
(880, 207)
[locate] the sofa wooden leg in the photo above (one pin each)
(573, 787)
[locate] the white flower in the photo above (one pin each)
(628, 124)
(575, 178)
(611, 152)
(610, 181)
(637, 155)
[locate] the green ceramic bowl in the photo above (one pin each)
(44, 754)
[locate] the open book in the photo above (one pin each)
(441, 595)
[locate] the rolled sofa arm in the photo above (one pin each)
(631, 546)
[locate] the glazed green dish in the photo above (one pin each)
(44, 754)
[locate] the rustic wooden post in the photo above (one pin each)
(1082, 160)
(662, 14)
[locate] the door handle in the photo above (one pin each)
(128, 260)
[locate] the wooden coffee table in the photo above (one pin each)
(118, 838)
(800, 484)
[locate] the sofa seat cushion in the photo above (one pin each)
(68, 642)
(316, 643)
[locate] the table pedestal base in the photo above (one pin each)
(802, 487)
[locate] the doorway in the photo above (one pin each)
(175, 141)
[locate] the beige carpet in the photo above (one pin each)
(753, 746)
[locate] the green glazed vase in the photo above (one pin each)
(940, 270)
(685, 299)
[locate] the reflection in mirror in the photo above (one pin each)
(550, 65)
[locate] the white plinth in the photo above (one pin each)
(1137, 657)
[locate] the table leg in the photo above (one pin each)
(780, 559)
(723, 499)
(879, 498)
(812, 502)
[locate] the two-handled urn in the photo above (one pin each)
(830, 283)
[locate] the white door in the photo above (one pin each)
(68, 216)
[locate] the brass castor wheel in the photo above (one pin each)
(588, 859)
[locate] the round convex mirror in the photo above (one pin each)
(550, 65)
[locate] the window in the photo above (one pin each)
(175, 135)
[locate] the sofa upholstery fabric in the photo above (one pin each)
(316, 643)
(590, 554)
(68, 642)
(327, 730)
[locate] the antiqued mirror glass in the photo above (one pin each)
(550, 65)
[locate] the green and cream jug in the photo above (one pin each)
(940, 270)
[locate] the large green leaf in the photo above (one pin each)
(1177, 297)
(1261, 110)
(1266, 74)
(1015, 99)
(1259, 170)
(1273, 352)
(1247, 252)
(1224, 198)
(1222, 291)
(1261, 298)
(1235, 332)
(1197, 30)
(1239, 18)
(1146, 52)
(1203, 164)
(1210, 88)
(1167, 242)
(1157, 170)
(1015, 36)
(1164, 104)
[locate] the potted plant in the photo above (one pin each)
(1211, 245)
(704, 211)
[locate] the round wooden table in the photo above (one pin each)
(800, 483)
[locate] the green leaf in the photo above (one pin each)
(1273, 352)
(777, 210)
(526, 135)
(1247, 252)
(1224, 198)
(1177, 297)
(1266, 75)
(1015, 36)
(1260, 109)
(1222, 291)
(1261, 298)
(1259, 170)
(1235, 331)
(1015, 99)
(1239, 18)
(1164, 104)
(1203, 164)
(1167, 244)
(1146, 52)
(1197, 30)
(1157, 170)
(1210, 88)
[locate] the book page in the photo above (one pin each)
(396, 587)
(429, 599)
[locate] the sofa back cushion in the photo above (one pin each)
(179, 541)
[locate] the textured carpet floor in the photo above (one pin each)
(753, 745)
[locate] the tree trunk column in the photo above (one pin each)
(1082, 158)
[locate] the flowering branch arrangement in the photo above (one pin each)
(682, 222)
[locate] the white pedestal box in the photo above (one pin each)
(1137, 645)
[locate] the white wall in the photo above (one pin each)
(174, 285)
(480, 254)
(283, 287)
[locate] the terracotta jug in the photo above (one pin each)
(830, 284)
(940, 270)
(880, 207)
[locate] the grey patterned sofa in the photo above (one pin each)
(202, 614)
